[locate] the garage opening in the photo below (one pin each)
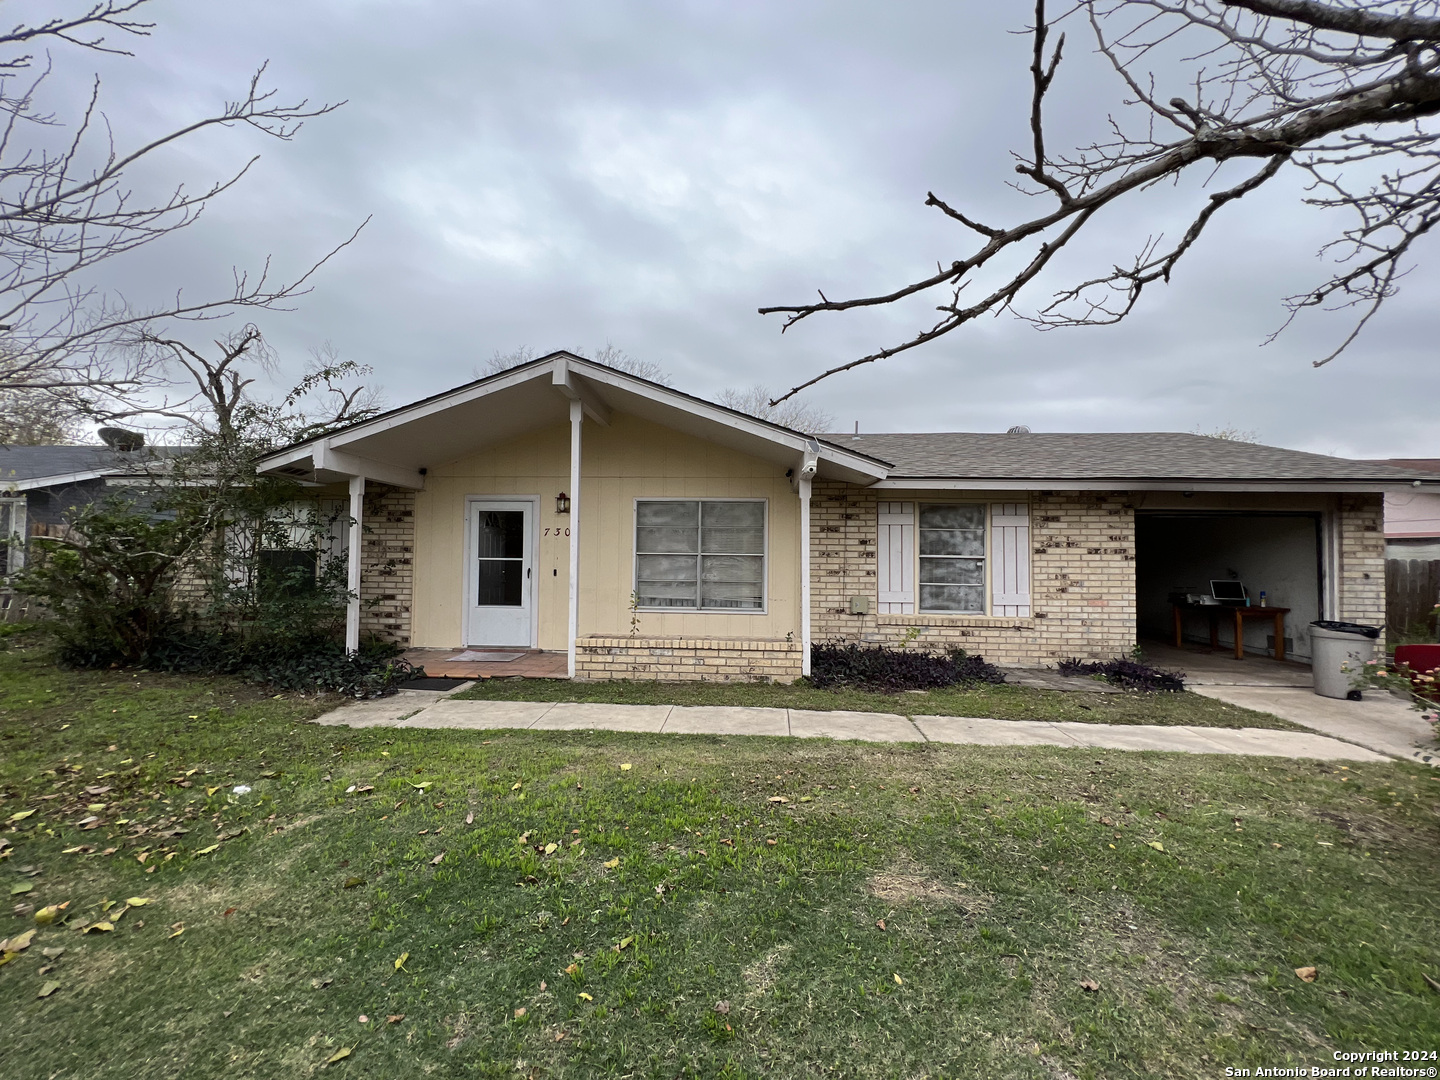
(1178, 554)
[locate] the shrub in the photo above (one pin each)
(878, 668)
(1128, 674)
(286, 663)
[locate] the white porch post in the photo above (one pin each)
(804, 487)
(352, 565)
(577, 416)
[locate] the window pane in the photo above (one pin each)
(734, 514)
(500, 534)
(967, 599)
(668, 513)
(741, 541)
(952, 516)
(952, 571)
(665, 581)
(501, 582)
(732, 581)
(665, 540)
(952, 542)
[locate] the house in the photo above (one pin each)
(41, 485)
(1412, 552)
(645, 533)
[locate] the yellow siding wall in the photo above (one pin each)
(631, 458)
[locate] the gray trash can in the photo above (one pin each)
(1338, 651)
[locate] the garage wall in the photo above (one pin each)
(1277, 553)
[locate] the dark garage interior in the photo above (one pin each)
(1182, 552)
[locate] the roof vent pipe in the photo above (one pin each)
(1019, 429)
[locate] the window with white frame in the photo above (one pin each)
(952, 558)
(700, 554)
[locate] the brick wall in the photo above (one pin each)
(387, 571)
(687, 659)
(1362, 559)
(1082, 579)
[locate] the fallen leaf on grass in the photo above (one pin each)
(585, 997)
(364, 1019)
(137, 901)
(551, 848)
(438, 859)
(48, 989)
(339, 1055)
(1156, 844)
(178, 928)
(48, 914)
(423, 785)
(207, 850)
(1090, 986)
(1306, 974)
(394, 1018)
(572, 969)
(771, 843)
(101, 927)
(777, 799)
(19, 815)
(18, 943)
(23, 887)
(519, 1013)
(612, 863)
(880, 923)
(400, 961)
(898, 980)
(228, 912)
(320, 984)
(1430, 982)
(515, 786)
(470, 818)
(626, 767)
(352, 881)
(625, 943)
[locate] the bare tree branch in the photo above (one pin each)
(1334, 90)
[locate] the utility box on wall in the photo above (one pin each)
(859, 605)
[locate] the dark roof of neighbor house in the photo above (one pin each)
(1154, 455)
(1411, 464)
(36, 462)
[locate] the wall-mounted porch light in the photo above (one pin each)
(562, 503)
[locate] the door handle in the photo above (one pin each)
(527, 573)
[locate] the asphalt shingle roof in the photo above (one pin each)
(1093, 456)
(30, 462)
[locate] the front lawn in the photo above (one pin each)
(1005, 702)
(408, 903)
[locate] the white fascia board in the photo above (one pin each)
(859, 463)
(59, 479)
(328, 460)
(1112, 484)
(303, 452)
(419, 411)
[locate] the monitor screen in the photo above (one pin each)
(1227, 590)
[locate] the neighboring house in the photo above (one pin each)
(1412, 517)
(563, 505)
(41, 485)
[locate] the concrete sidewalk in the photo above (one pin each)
(421, 709)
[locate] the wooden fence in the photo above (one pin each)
(1412, 589)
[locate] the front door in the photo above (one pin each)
(499, 578)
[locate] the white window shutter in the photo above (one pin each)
(1010, 559)
(895, 558)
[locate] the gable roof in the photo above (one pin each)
(1128, 458)
(393, 447)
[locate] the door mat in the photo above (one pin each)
(432, 682)
(470, 656)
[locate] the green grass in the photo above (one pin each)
(1004, 702)
(1003, 876)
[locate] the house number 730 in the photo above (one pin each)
(557, 532)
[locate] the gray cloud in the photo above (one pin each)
(568, 174)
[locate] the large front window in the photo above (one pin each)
(952, 558)
(700, 554)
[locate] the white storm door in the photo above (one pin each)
(499, 607)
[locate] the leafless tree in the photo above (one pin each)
(41, 417)
(1345, 92)
(792, 413)
(1229, 433)
(66, 206)
(220, 407)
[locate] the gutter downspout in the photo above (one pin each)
(352, 565)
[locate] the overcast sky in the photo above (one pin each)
(571, 174)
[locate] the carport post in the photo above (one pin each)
(352, 565)
(804, 486)
(577, 416)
